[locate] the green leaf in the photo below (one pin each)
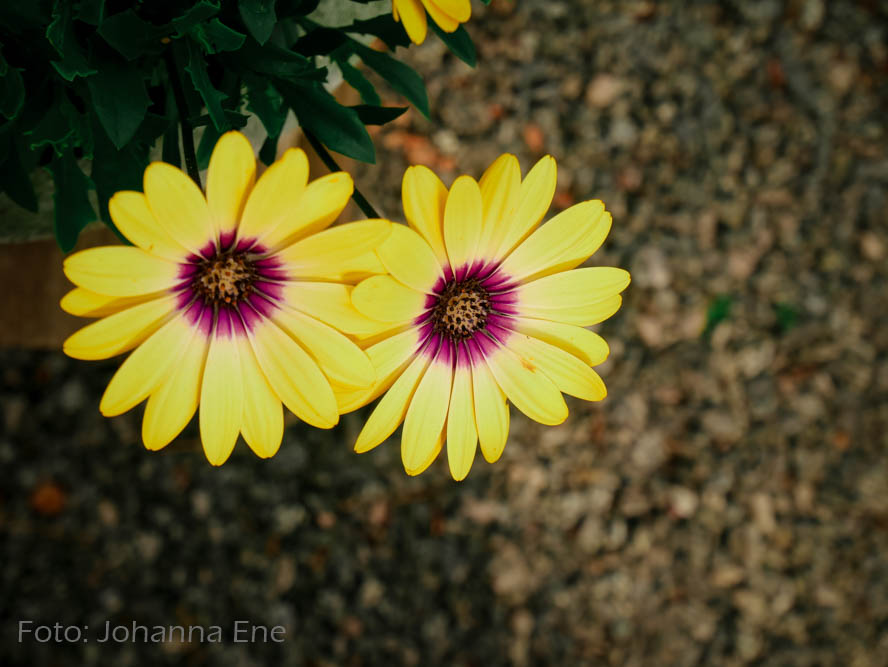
(91, 11)
(336, 126)
(719, 310)
(276, 61)
(787, 316)
(359, 82)
(14, 177)
(53, 129)
(259, 17)
(205, 148)
(72, 210)
(131, 36)
(383, 26)
(459, 43)
(268, 152)
(114, 170)
(215, 36)
(119, 100)
(286, 9)
(199, 12)
(400, 76)
(60, 34)
(266, 102)
(171, 154)
(377, 115)
(320, 42)
(197, 68)
(12, 90)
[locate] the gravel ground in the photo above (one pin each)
(726, 505)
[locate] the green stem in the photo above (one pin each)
(328, 160)
(184, 122)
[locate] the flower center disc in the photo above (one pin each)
(462, 309)
(225, 279)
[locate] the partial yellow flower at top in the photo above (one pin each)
(483, 307)
(447, 14)
(234, 302)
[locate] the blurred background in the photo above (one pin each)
(727, 504)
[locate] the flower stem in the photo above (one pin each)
(328, 160)
(184, 122)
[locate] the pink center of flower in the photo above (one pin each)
(229, 289)
(462, 309)
(468, 315)
(224, 278)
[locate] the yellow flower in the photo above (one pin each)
(448, 14)
(234, 302)
(483, 308)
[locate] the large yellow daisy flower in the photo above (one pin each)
(448, 14)
(483, 308)
(234, 302)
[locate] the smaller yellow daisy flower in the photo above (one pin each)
(233, 302)
(447, 14)
(482, 308)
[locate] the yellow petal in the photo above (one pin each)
(146, 367)
(320, 204)
(389, 357)
(457, 10)
(424, 197)
(172, 405)
(529, 390)
(462, 437)
(413, 16)
(221, 399)
(119, 332)
(569, 374)
(178, 205)
(500, 186)
(294, 376)
(330, 303)
(389, 412)
(312, 257)
(274, 201)
(462, 222)
(84, 303)
(262, 424)
(230, 178)
(120, 271)
(340, 359)
(385, 299)
(563, 243)
(407, 256)
(580, 342)
(575, 297)
(534, 198)
(354, 269)
(446, 22)
(133, 217)
(491, 412)
(424, 422)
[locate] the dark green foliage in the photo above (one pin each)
(459, 43)
(259, 17)
(71, 203)
(787, 316)
(718, 311)
(119, 100)
(106, 82)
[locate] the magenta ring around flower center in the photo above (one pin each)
(499, 291)
(255, 296)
